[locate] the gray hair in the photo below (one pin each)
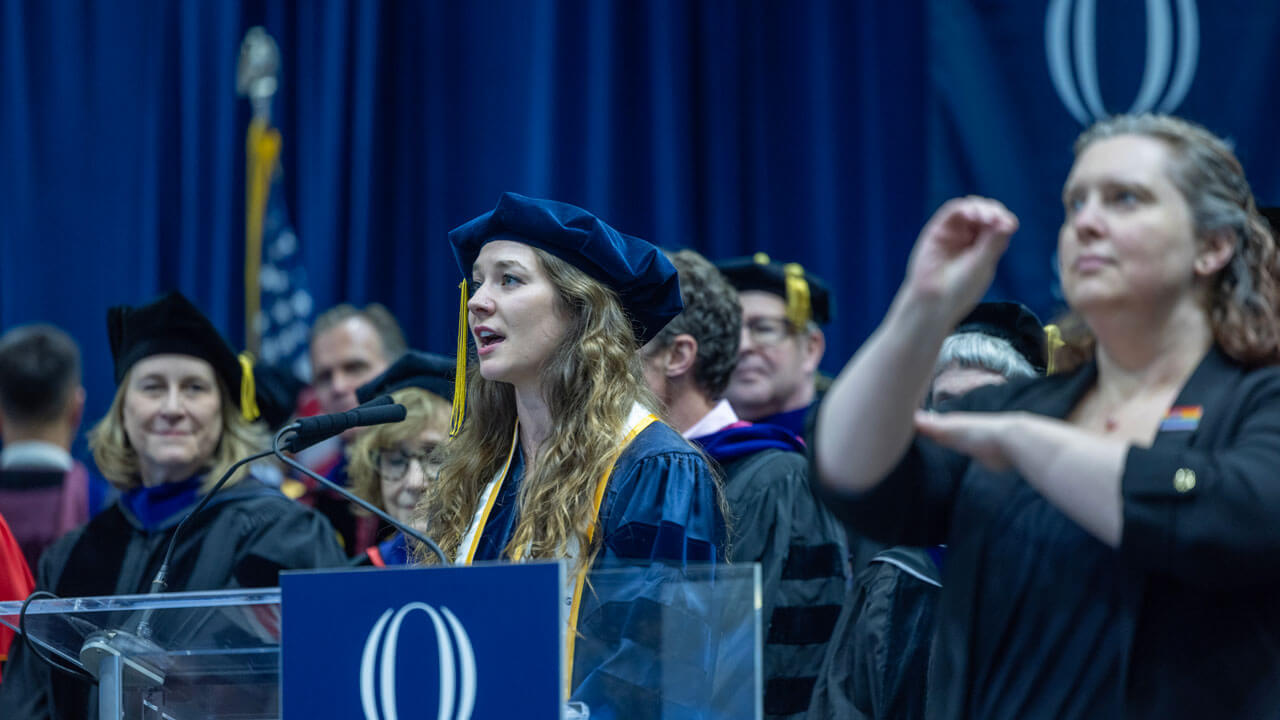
(983, 352)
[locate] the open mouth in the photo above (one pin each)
(486, 339)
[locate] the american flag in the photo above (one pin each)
(286, 307)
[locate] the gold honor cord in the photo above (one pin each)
(483, 520)
(571, 634)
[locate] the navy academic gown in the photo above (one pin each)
(1037, 618)
(659, 514)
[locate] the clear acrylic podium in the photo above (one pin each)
(211, 655)
(217, 654)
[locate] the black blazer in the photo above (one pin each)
(1196, 597)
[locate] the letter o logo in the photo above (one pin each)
(1078, 86)
(457, 674)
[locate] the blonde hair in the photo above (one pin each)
(589, 384)
(424, 410)
(1244, 302)
(118, 461)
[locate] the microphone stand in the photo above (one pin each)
(161, 580)
(428, 542)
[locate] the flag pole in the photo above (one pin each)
(257, 79)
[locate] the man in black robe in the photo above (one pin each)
(783, 310)
(776, 520)
(878, 665)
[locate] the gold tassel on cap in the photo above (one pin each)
(1053, 342)
(248, 391)
(760, 258)
(799, 312)
(460, 370)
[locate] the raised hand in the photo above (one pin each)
(955, 256)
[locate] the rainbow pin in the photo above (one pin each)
(1182, 418)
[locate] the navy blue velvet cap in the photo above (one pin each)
(758, 272)
(170, 325)
(431, 372)
(1013, 322)
(645, 281)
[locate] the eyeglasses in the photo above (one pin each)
(767, 330)
(394, 464)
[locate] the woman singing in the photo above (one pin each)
(561, 454)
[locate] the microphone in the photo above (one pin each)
(376, 411)
(309, 431)
(408, 531)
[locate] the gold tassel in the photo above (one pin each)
(799, 313)
(248, 391)
(1053, 342)
(460, 370)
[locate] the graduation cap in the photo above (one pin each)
(277, 393)
(1015, 323)
(428, 371)
(646, 282)
(172, 325)
(808, 298)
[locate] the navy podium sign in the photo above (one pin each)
(449, 642)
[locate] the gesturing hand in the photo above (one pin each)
(981, 436)
(956, 254)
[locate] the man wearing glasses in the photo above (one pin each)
(783, 309)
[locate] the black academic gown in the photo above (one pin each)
(1039, 619)
(779, 523)
(245, 536)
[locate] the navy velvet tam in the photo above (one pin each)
(1013, 322)
(171, 325)
(428, 371)
(645, 281)
(758, 272)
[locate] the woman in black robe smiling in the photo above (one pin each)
(183, 414)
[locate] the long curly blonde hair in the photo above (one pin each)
(589, 384)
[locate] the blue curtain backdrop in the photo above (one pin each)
(819, 131)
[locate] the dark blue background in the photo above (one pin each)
(820, 131)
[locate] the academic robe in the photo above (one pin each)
(244, 537)
(43, 504)
(392, 552)
(877, 663)
(778, 522)
(659, 514)
(793, 421)
(16, 582)
(1037, 618)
